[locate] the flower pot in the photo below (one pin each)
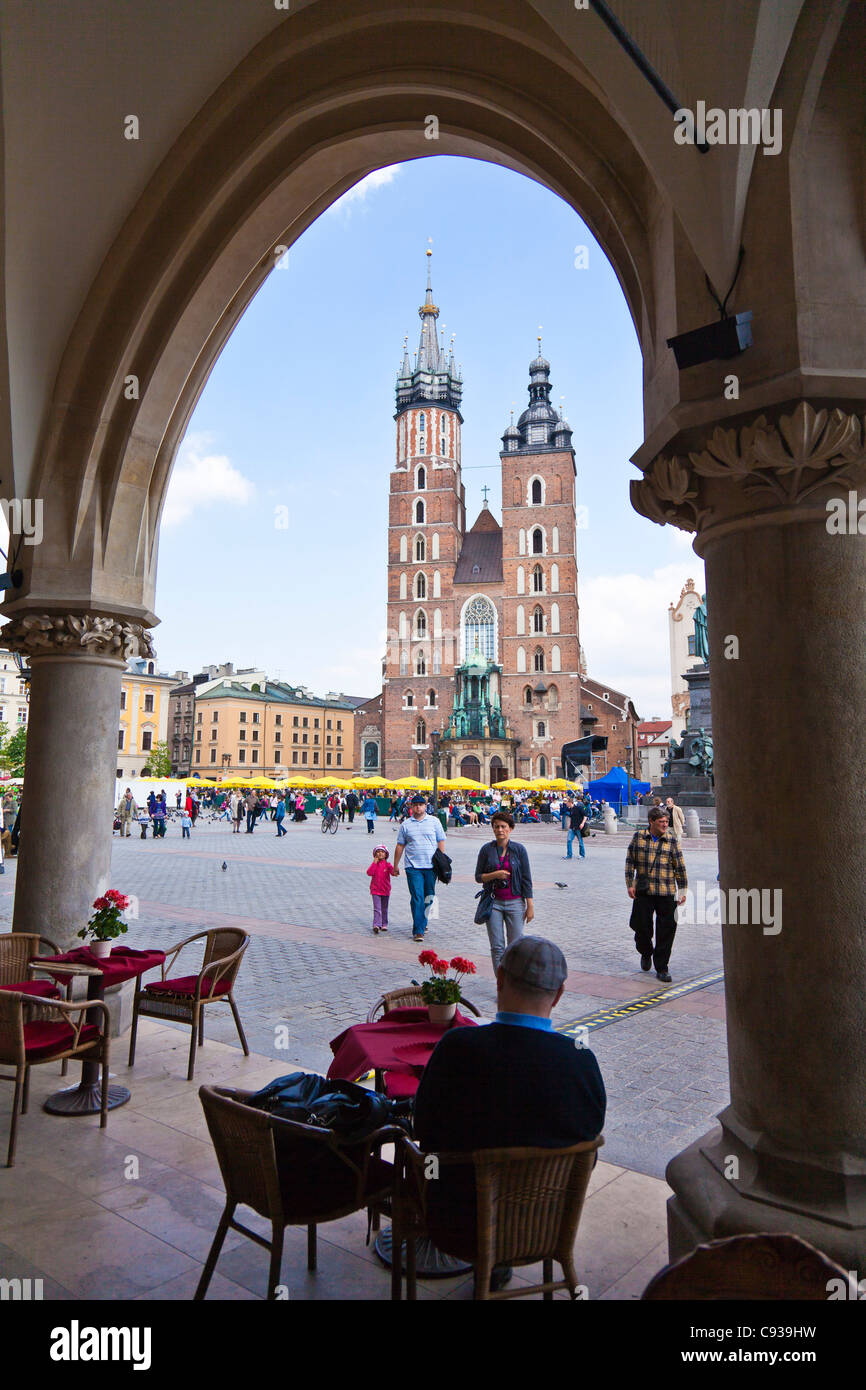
(441, 1013)
(100, 949)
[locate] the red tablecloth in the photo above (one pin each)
(122, 964)
(401, 1041)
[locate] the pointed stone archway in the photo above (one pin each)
(315, 106)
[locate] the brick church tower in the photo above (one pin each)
(426, 523)
(541, 647)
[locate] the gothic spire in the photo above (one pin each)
(433, 378)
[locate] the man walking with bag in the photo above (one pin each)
(654, 871)
(574, 816)
(419, 837)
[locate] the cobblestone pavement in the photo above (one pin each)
(314, 966)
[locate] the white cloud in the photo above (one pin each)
(624, 631)
(358, 193)
(201, 479)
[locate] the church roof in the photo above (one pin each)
(481, 554)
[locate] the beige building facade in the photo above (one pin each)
(681, 634)
(273, 731)
(144, 699)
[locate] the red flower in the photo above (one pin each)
(464, 966)
(428, 957)
(439, 967)
(100, 904)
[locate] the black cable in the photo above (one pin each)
(722, 305)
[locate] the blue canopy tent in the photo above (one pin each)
(613, 788)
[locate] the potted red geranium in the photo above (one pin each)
(441, 993)
(106, 922)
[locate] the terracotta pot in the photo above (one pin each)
(441, 1013)
(100, 949)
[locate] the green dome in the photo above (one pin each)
(476, 662)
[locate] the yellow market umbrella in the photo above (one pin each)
(412, 783)
(514, 784)
(201, 782)
(467, 784)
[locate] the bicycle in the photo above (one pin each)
(330, 821)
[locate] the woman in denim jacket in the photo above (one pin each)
(504, 867)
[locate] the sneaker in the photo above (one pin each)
(646, 961)
(664, 976)
(383, 928)
(568, 856)
(375, 931)
(416, 937)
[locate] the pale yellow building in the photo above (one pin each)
(271, 731)
(143, 714)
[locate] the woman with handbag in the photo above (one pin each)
(506, 896)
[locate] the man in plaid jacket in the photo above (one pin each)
(654, 871)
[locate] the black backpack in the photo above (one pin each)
(351, 1111)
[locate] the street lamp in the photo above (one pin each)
(435, 736)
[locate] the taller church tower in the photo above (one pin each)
(426, 523)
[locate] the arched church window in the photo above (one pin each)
(408, 699)
(537, 540)
(431, 698)
(538, 580)
(541, 728)
(537, 494)
(538, 659)
(478, 627)
(542, 767)
(420, 586)
(527, 694)
(420, 664)
(538, 620)
(421, 481)
(420, 623)
(420, 732)
(420, 549)
(419, 513)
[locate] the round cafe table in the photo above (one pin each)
(122, 964)
(397, 1047)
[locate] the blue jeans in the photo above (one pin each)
(281, 829)
(571, 835)
(506, 919)
(422, 890)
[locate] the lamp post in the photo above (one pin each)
(435, 736)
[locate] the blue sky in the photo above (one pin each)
(273, 544)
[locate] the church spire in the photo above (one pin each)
(428, 348)
(433, 379)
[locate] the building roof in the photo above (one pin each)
(275, 692)
(481, 553)
(654, 726)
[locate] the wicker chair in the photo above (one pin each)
(18, 950)
(291, 1174)
(26, 1044)
(753, 1268)
(408, 998)
(183, 998)
(529, 1203)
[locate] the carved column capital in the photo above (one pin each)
(766, 466)
(71, 634)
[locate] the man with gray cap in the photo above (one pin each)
(510, 1084)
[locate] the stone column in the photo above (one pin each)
(64, 859)
(786, 598)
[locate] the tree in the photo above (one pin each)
(13, 750)
(158, 762)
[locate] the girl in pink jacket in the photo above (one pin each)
(381, 873)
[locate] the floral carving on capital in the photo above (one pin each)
(38, 634)
(782, 462)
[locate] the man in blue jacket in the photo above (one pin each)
(511, 1084)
